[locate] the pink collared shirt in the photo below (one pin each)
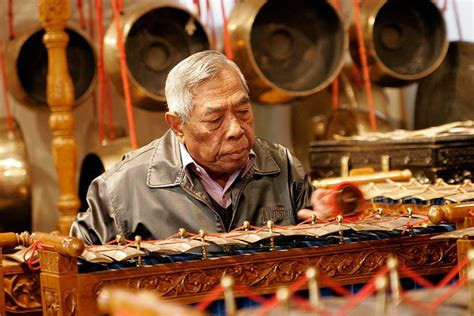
(219, 194)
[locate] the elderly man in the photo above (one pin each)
(208, 171)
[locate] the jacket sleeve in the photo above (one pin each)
(99, 223)
(301, 187)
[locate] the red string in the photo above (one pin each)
(82, 19)
(210, 22)
(454, 272)
(328, 282)
(28, 256)
(211, 297)
(365, 69)
(120, 6)
(91, 18)
(123, 70)
(417, 304)
(304, 304)
(100, 70)
(356, 76)
(227, 43)
(11, 30)
(458, 20)
(451, 290)
(9, 116)
(417, 278)
(198, 7)
(298, 284)
(335, 83)
(248, 293)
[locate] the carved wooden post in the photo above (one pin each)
(58, 284)
(60, 95)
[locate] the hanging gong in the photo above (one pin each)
(156, 38)
(15, 180)
(27, 65)
(404, 40)
(287, 49)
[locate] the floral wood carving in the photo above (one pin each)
(343, 265)
(51, 300)
(22, 292)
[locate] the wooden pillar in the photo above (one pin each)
(58, 278)
(60, 96)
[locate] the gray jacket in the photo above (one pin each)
(148, 194)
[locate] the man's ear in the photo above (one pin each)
(174, 122)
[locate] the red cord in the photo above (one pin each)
(91, 18)
(123, 70)
(450, 292)
(453, 273)
(11, 30)
(334, 286)
(365, 68)
(100, 70)
(120, 6)
(210, 22)
(227, 43)
(9, 116)
(248, 293)
(211, 297)
(82, 19)
(198, 7)
(417, 278)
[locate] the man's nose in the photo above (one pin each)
(234, 128)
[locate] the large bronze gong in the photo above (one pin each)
(26, 63)
(287, 49)
(15, 180)
(156, 38)
(405, 40)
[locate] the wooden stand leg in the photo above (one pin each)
(59, 292)
(60, 95)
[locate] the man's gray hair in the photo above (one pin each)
(188, 74)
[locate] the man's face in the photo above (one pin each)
(219, 132)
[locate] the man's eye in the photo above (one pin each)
(215, 120)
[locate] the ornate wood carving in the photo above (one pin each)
(51, 302)
(264, 272)
(58, 283)
(22, 292)
(67, 292)
(60, 95)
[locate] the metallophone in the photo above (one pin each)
(262, 259)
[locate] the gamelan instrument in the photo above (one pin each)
(405, 40)
(27, 74)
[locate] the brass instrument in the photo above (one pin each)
(156, 37)
(27, 73)
(284, 56)
(405, 40)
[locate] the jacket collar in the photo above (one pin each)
(165, 168)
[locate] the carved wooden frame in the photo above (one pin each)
(67, 292)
